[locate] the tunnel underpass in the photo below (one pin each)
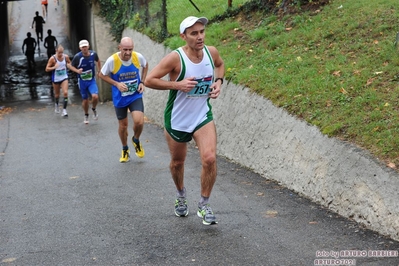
(14, 79)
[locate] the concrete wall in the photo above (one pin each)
(256, 134)
(105, 45)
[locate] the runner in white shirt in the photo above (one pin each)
(196, 75)
(58, 65)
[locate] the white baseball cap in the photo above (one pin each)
(83, 43)
(189, 21)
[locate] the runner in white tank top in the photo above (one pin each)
(60, 73)
(58, 65)
(189, 109)
(196, 75)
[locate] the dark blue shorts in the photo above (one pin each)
(136, 105)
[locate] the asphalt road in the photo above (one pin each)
(66, 200)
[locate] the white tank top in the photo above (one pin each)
(188, 110)
(60, 73)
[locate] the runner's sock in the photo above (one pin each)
(57, 100)
(181, 193)
(125, 148)
(65, 102)
(203, 201)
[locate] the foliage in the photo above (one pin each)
(332, 64)
(335, 67)
(118, 13)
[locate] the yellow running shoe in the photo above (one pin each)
(139, 149)
(125, 156)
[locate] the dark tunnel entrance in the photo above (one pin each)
(79, 18)
(79, 27)
(4, 37)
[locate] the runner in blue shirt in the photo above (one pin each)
(84, 64)
(122, 71)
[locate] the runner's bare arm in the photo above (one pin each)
(120, 85)
(51, 65)
(143, 77)
(69, 63)
(219, 72)
(170, 64)
(74, 69)
(98, 66)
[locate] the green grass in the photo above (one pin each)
(336, 69)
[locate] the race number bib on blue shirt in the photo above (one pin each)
(87, 75)
(132, 86)
(202, 89)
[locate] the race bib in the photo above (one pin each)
(60, 72)
(87, 75)
(132, 86)
(202, 88)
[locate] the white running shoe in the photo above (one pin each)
(86, 121)
(95, 115)
(57, 109)
(64, 113)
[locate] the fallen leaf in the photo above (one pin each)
(343, 91)
(337, 73)
(313, 222)
(391, 165)
(369, 81)
(270, 214)
(9, 260)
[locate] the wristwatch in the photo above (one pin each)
(221, 79)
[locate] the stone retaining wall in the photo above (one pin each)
(258, 135)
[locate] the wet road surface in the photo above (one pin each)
(66, 200)
(23, 84)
